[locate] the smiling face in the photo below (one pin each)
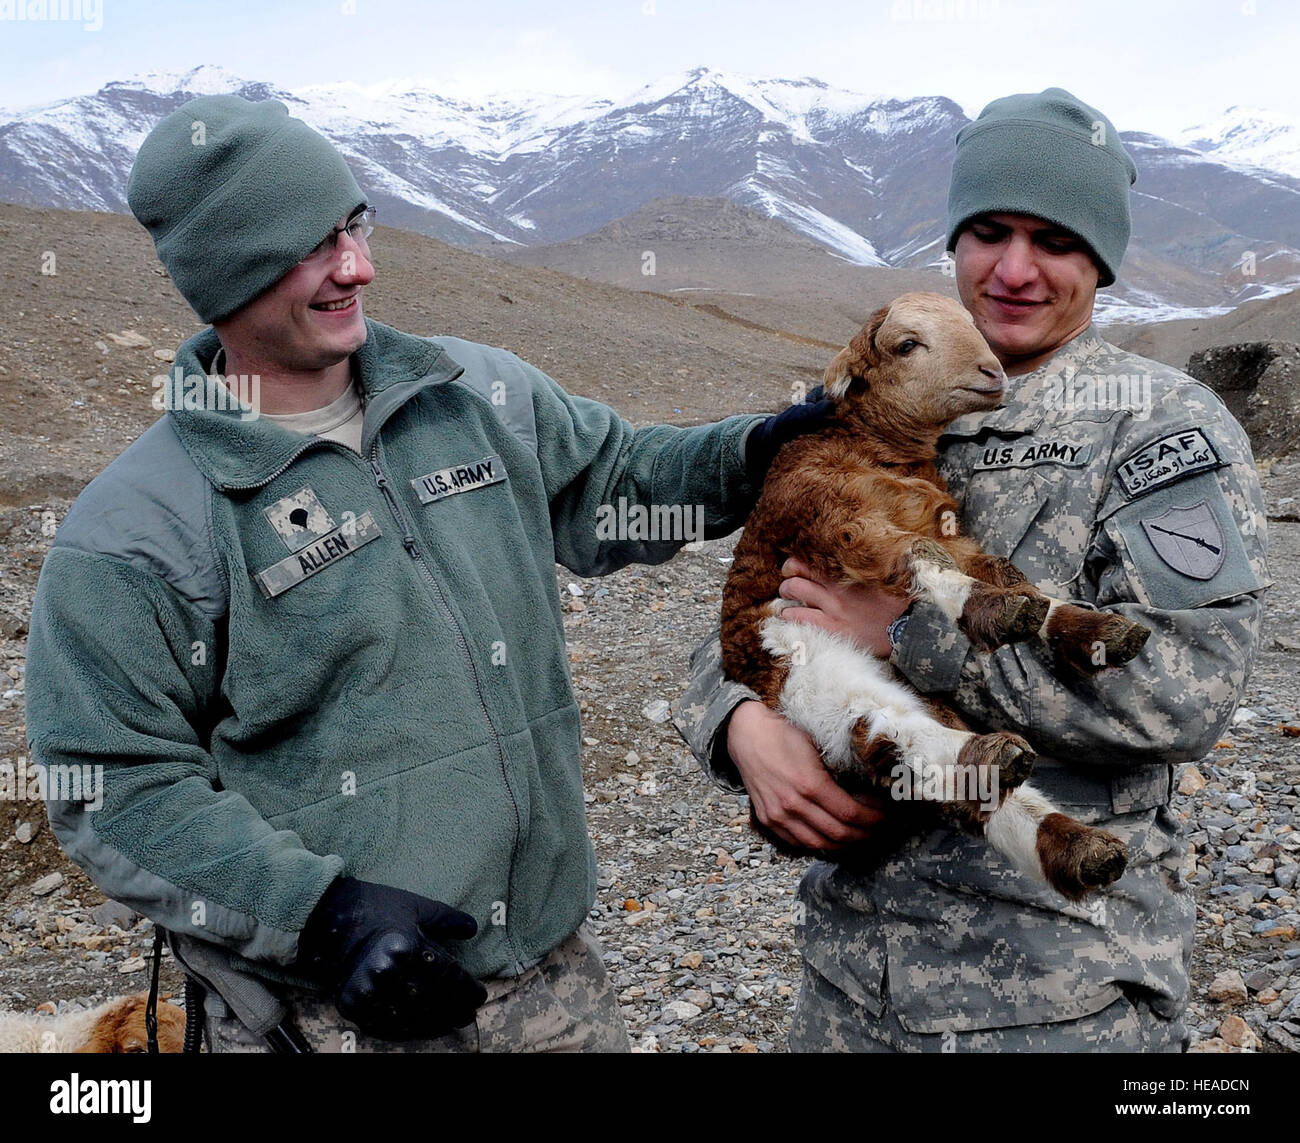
(309, 320)
(1028, 283)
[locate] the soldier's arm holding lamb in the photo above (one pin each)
(1175, 699)
(1171, 703)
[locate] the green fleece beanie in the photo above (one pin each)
(235, 194)
(1051, 156)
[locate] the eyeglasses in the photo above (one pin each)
(359, 227)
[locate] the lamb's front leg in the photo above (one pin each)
(989, 615)
(1084, 640)
(1039, 840)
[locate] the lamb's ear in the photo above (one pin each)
(839, 374)
(857, 359)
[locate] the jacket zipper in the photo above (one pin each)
(412, 549)
(408, 542)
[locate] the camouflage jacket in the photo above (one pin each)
(1119, 483)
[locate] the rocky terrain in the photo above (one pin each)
(694, 910)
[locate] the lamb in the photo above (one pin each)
(861, 501)
(116, 1026)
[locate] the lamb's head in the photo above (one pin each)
(917, 363)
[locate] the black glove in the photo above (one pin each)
(766, 438)
(379, 950)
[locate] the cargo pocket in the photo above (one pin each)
(841, 934)
(972, 943)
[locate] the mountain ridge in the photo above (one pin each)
(863, 176)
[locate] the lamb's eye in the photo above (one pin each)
(906, 347)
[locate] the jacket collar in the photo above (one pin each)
(1026, 401)
(236, 449)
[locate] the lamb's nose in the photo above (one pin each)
(994, 372)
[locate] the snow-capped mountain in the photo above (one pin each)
(1248, 137)
(1217, 211)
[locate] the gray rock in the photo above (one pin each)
(678, 1010)
(113, 913)
(1258, 980)
(47, 884)
(1282, 1037)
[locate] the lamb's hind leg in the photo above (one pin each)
(866, 724)
(1039, 840)
(1084, 640)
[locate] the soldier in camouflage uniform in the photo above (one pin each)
(1109, 480)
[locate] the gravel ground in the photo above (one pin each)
(694, 911)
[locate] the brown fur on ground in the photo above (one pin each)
(114, 1027)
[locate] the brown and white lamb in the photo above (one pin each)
(861, 501)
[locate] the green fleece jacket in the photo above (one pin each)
(294, 662)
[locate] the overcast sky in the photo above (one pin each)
(1155, 65)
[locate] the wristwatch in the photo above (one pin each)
(895, 629)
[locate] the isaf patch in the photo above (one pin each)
(1189, 540)
(300, 519)
(1168, 459)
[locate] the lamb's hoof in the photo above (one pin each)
(1009, 755)
(1078, 859)
(1091, 642)
(1023, 616)
(1123, 639)
(994, 616)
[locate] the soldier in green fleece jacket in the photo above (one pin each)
(313, 639)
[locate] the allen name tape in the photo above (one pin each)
(343, 541)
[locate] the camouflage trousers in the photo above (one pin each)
(826, 1020)
(564, 1003)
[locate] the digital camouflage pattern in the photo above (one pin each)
(1066, 480)
(563, 1004)
(824, 1022)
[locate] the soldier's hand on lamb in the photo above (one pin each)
(792, 792)
(852, 611)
